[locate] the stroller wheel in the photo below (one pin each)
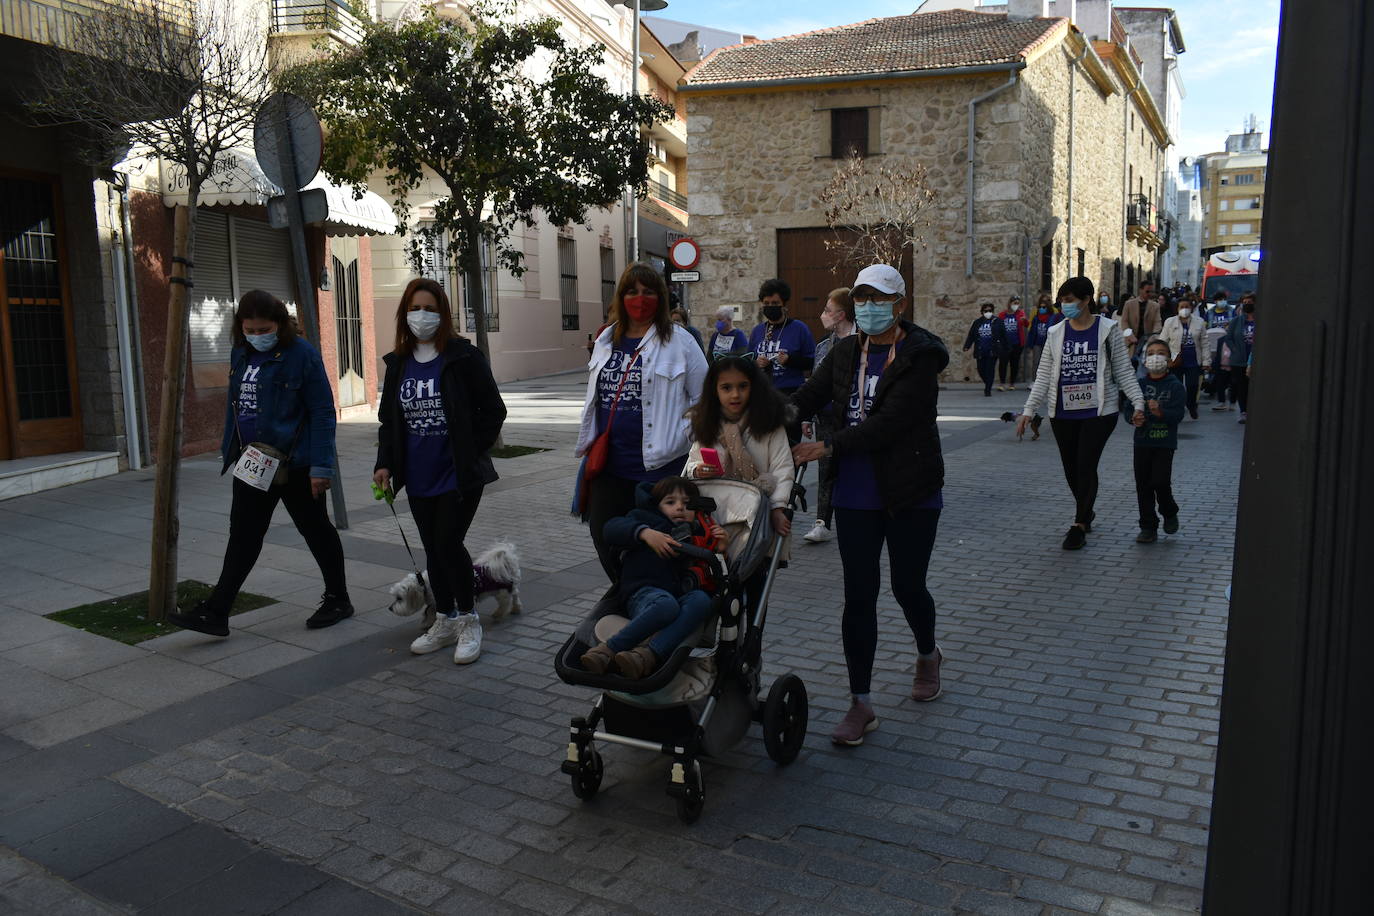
(785, 716)
(691, 798)
(587, 780)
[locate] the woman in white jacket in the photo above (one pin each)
(1084, 368)
(643, 378)
(1186, 335)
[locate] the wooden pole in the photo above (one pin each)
(162, 574)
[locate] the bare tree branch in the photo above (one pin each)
(876, 212)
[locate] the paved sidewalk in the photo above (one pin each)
(1066, 769)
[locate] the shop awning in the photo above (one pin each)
(238, 179)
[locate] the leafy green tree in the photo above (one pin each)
(511, 117)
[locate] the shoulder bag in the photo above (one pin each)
(599, 453)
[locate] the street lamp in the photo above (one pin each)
(636, 6)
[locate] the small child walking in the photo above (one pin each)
(663, 611)
(1155, 442)
(744, 418)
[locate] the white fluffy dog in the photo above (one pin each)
(495, 572)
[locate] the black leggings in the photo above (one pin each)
(610, 497)
(1189, 376)
(1080, 448)
(1008, 365)
(910, 537)
(249, 518)
(444, 521)
(986, 367)
(1240, 387)
(1154, 471)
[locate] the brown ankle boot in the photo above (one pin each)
(637, 663)
(597, 659)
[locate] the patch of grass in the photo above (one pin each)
(125, 619)
(515, 451)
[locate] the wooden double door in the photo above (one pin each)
(813, 270)
(40, 411)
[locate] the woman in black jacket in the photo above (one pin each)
(440, 414)
(882, 386)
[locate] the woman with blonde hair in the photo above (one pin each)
(645, 373)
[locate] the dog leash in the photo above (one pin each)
(379, 493)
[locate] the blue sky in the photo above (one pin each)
(1228, 68)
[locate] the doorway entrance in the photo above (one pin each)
(813, 270)
(348, 321)
(40, 410)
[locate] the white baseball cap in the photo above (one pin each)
(883, 278)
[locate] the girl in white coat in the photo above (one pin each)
(643, 378)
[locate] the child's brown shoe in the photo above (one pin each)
(597, 659)
(636, 663)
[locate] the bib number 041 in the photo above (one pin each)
(256, 469)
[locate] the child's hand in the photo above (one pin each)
(706, 470)
(719, 534)
(1138, 419)
(781, 523)
(1154, 408)
(659, 542)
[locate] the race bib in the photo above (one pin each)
(256, 469)
(1080, 397)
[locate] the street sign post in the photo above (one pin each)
(684, 276)
(289, 144)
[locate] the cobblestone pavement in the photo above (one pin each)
(1067, 768)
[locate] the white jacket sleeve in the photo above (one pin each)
(1040, 388)
(693, 461)
(780, 465)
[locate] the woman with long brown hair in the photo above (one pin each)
(643, 377)
(279, 437)
(440, 413)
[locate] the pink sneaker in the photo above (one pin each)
(926, 685)
(856, 723)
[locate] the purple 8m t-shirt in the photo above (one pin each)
(1078, 374)
(429, 458)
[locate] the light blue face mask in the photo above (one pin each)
(1071, 310)
(874, 317)
(262, 342)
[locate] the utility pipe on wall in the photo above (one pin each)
(1073, 93)
(121, 258)
(1015, 72)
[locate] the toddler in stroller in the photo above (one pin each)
(700, 698)
(666, 598)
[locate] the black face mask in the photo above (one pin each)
(772, 312)
(1249, 308)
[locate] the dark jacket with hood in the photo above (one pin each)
(642, 567)
(899, 434)
(472, 407)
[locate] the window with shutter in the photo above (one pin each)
(262, 260)
(848, 132)
(213, 300)
(567, 282)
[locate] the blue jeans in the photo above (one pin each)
(656, 611)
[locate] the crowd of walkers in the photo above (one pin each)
(666, 406)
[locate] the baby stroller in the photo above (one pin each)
(703, 697)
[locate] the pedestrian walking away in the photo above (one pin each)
(987, 338)
(782, 344)
(727, 338)
(279, 438)
(1014, 324)
(440, 415)
(1186, 336)
(1155, 442)
(838, 318)
(1240, 341)
(882, 390)
(643, 377)
(1045, 317)
(1080, 380)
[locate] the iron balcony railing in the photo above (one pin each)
(290, 16)
(660, 191)
(1141, 212)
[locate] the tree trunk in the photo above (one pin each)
(472, 284)
(162, 578)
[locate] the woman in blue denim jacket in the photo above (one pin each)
(279, 395)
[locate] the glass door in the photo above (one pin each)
(348, 321)
(41, 410)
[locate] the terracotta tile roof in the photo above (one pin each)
(920, 41)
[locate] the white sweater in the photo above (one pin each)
(673, 372)
(772, 456)
(1120, 378)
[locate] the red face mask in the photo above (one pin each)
(641, 308)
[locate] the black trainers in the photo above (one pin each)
(1171, 524)
(333, 608)
(203, 619)
(1075, 539)
(1146, 536)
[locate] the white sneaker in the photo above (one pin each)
(819, 534)
(443, 632)
(469, 638)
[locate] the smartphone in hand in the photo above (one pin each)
(711, 458)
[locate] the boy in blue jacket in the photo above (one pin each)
(1155, 442)
(662, 603)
